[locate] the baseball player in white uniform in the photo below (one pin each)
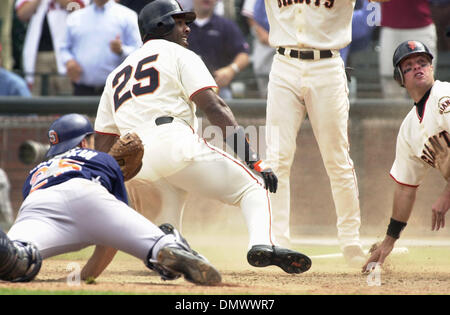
(423, 142)
(308, 77)
(154, 93)
(77, 198)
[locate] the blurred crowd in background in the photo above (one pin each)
(68, 47)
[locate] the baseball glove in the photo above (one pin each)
(128, 152)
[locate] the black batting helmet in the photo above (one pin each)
(404, 50)
(156, 18)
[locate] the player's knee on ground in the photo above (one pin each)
(19, 261)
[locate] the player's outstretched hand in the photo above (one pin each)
(269, 177)
(439, 209)
(378, 253)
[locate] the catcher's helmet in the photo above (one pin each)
(156, 18)
(67, 132)
(404, 50)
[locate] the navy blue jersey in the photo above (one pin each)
(78, 163)
(217, 42)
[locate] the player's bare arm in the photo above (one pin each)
(219, 114)
(98, 262)
(404, 198)
(215, 109)
(104, 142)
(440, 208)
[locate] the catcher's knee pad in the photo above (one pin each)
(19, 261)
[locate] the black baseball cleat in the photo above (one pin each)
(288, 260)
(194, 269)
(168, 228)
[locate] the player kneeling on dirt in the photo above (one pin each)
(77, 198)
(423, 142)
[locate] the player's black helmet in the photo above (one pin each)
(156, 18)
(404, 50)
(67, 132)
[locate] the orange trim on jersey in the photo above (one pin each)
(38, 186)
(202, 89)
(400, 183)
(106, 133)
(253, 177)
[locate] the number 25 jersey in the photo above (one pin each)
(158, 79)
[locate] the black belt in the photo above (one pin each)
(163, 120)
(305, 54)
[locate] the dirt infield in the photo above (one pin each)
(422, 271)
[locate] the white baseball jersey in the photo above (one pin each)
(159, 79)
(319, 24)
(424, 142)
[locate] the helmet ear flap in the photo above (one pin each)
(398, 76)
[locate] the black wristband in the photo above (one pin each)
(240, 145)
(395, 228)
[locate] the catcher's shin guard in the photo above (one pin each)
(19, 261)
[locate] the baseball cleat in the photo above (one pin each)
(168, 228)
(288, 260)
(194, 269)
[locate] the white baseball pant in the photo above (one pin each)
(79, 213)
(177, 161)
(319, 89)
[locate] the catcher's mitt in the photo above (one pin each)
(128, 152)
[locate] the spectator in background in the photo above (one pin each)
(10, 83)
(220, 43)
(135, 5)
(440, 11)
(188, 5)
(402, 20)
(6, 213)
(362, 28)
(6, 19)
(47, 22)
(98, 39)
(262, 53)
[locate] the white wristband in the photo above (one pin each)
(235, 67)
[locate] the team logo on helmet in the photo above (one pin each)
(53, 137)
(412, 45)
(444, 104)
